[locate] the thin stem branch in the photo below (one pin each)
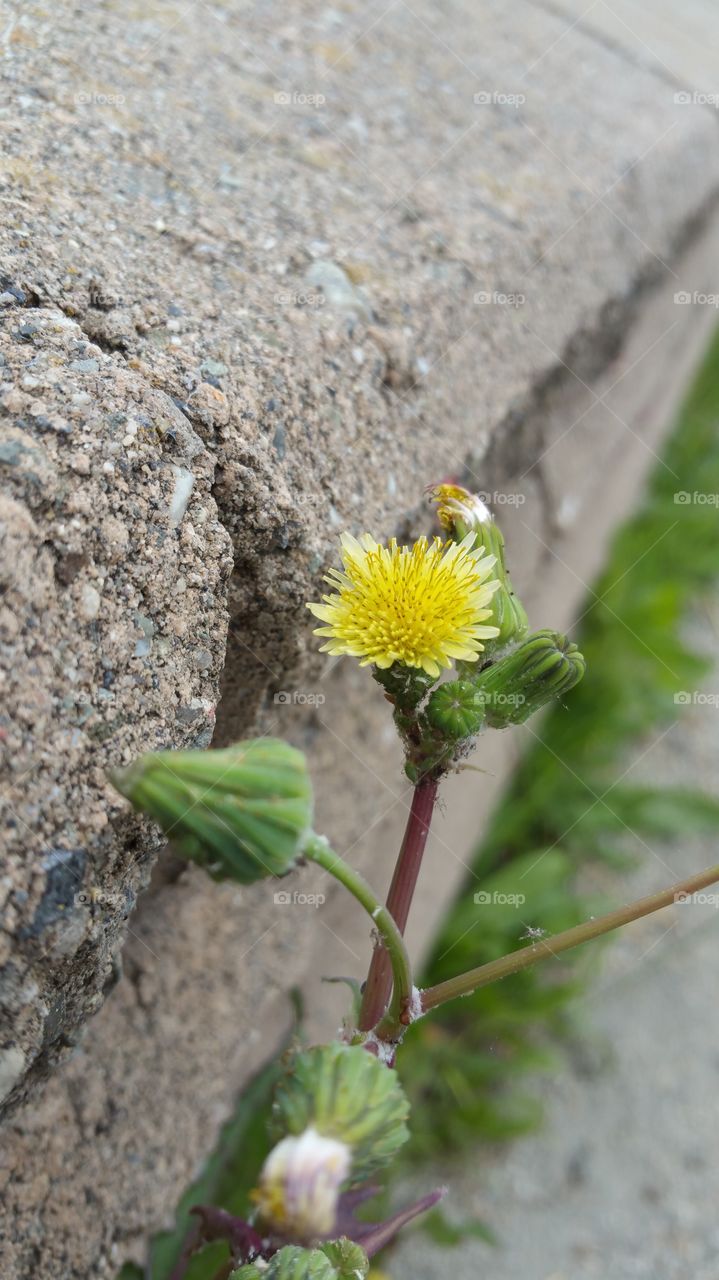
(318, 850)
(399, 898)
(466, 983)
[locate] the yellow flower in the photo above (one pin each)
(424, 606)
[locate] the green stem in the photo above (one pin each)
(466, 983)
(318, 850)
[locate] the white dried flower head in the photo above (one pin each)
(300, 1185)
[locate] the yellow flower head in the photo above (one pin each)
(424, 605)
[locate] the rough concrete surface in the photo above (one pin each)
(113, 618)
(622, 1182)
(309, 261)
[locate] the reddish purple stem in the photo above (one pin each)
(399, 899)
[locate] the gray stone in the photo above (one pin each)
(338, 289)
(89, 602)
(84, 366)
(12, 1066)
(215, 368)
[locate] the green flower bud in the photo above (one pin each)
(456, 709)
(462, 512)
(349, 1259)
(291, 1263)
(242, 813)
(335, 1260)
(544, 666)
(346, 1093)
(508, 614)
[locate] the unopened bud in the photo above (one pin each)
(544, 666)
(459, 511)
(344, 1092)
(334, 1260)
(462, 512)
(456, 709)
(241, 813)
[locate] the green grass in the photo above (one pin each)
(469, 1069)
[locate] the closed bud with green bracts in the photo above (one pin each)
(343, 1092)
(242, 813)
(456, 709)
(544, 666)
(462, 512)
(291, 1263)
(348, 1259)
